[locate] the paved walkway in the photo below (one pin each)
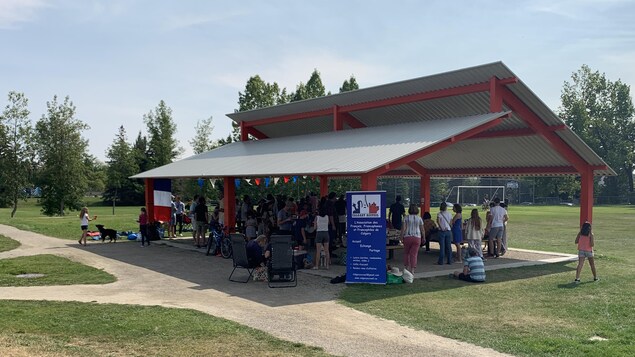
(181, 278)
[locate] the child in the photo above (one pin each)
(85, 218)
(585, 243)
(143, 226)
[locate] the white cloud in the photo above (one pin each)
(14, 12)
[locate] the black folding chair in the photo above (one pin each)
(239, 247)
(282, 270)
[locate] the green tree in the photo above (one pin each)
(121, 165)
(202, 140)
(349, 85)
(162, 145)
(313, 88)
(601, 112)
(61, 151)
(16, 149)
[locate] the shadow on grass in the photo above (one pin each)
(365, 293)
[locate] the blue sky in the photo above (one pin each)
(117, 59)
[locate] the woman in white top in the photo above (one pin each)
(474, 232)
(85, 218)
(413, 236)
(321, 224)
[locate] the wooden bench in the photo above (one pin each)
(391, 250)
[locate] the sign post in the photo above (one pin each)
(366, 237)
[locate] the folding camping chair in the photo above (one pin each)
(239, 248)
(282, 265)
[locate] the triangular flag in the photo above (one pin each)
(248, 181)
(237, 183)
(212, 182)
(304, 177)
(295, 179)
(275, 180)
(286, 179)
(267, 180)
(257, 181)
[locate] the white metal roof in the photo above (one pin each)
(335, 153)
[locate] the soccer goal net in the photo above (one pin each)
(475, 195)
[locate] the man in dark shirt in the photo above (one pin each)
(396, 213)
(340, 208)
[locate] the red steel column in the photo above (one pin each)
(369, 182)
(244, 135)
(337, 119)
(229, 190)
(149, 196)
(324, 186)
(425, 194)
(586, 195)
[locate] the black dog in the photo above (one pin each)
(110, 233)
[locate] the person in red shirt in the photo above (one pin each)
(585, 243)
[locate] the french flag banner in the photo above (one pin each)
(162, 199)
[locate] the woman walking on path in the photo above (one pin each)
(585, 243)
(85, 218)
(474, 232)
(457, 230)
(412, 233)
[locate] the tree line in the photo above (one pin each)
(53, 156)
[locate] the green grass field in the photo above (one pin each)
(8, 243)
(534, 311)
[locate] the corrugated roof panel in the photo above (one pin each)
(342, 152)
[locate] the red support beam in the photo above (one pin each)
(417, 97)
(149, 196)
(553, 170)
(425, 194)
(337, 119)
(352, 121)
(256, 133)
(418, 168)
(514, 132)
(541, 128)
(324, 185)
(495, 97)
(586, 195)
(369, 182)
(436, 147)
(229, 191)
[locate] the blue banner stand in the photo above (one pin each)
(366, 237)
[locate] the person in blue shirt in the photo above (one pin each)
(473, 268)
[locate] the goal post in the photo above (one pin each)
(476, 194)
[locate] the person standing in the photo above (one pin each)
(445, 235)
(285, 220)
(332, 213)
(412, 234)
(340, 209)
(474, 232)
(193, 216)
(172, 223)
(322, 239)
(457, 230)
(180, 211)
(498, 217)
(84, 218)
(585, 243)
(202, 217)
(245, 208)
(396, 213)
(143, 226)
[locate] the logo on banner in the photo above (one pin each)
(366, 206)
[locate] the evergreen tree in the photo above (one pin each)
(121, 165)
(61, 151)
(162, 145)
(349, 85)
(16, 150)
